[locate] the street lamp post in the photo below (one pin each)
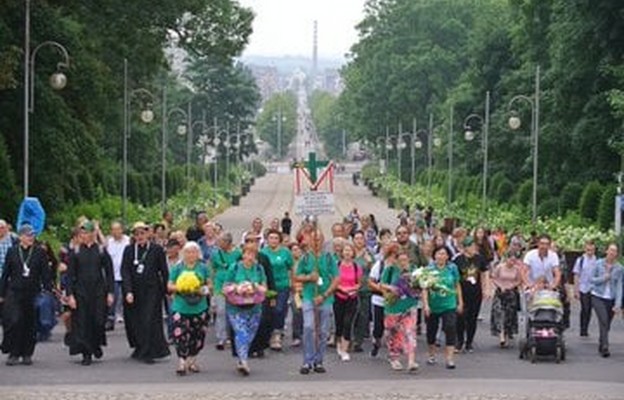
(279, 118)
(450, 159)
(413, 153)
(401, 146)
(147, 116)
(515, 123)
(429, 157)
(58, 81)
(215, 171)
(469, 135)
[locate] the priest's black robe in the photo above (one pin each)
(19, 286)
(90, 280)
(145, 274)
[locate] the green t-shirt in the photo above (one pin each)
(281, 263)
(238, 273)
(326, 267)
(440, 302)
(179, 303)
(391, 276)
(366, 268)
(221, 262)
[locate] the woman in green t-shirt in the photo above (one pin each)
(222, 259)
(400, 309)
(188, 281)
(246, 279)
(443, 302)
(281, 263)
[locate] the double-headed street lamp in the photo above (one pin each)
(279, 118)
(401, 145)
(58, 81)
(147, 116)
(432, 140)
(469, 135)
(515, 123)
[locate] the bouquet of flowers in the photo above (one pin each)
(188, 285)
(428, 278)
(244, 294)
(402, 289)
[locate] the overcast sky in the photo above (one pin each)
(284, 27)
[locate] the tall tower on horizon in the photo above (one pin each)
(315, 50)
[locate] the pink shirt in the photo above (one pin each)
(350, 275)
(507, 277)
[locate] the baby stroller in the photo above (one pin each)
(543, 320)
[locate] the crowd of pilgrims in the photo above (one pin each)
(335, 290)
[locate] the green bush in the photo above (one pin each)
(524, 194)
(504, 191)
(570, 196)
(606, 208)
(494, 183)
(590, 200)
(548, 207)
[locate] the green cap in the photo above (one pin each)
(87, 226)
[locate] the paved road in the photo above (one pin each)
(489, 373)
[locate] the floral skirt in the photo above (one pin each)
(245, 325)
(504, 315)
(401, 334)
(189, 333)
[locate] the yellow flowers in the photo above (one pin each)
(188, 283)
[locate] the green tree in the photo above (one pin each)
(284, 105)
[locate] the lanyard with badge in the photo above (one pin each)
(140, 264)
(26, 268)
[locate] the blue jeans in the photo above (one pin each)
(315, 343)
(280, 310)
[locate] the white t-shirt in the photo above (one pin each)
(375, 275)
(115, 249)
(539, 267)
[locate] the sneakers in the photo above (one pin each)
(296, 343)
(413, 367)
(375, 350)
(469, 348)
(243, 368)
(358, 348)
(319, 369)
(396, 365)
(305, 369)
(345, 357)
(431, 360)
(27, 360)
(276, 342)
(221, 345)
(450, 365)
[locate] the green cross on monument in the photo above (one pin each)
(313, 165)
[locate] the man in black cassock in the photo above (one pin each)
(145, 275)
(26, 272)
(90, 293)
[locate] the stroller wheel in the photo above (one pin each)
(533, 354)
(559, 355)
